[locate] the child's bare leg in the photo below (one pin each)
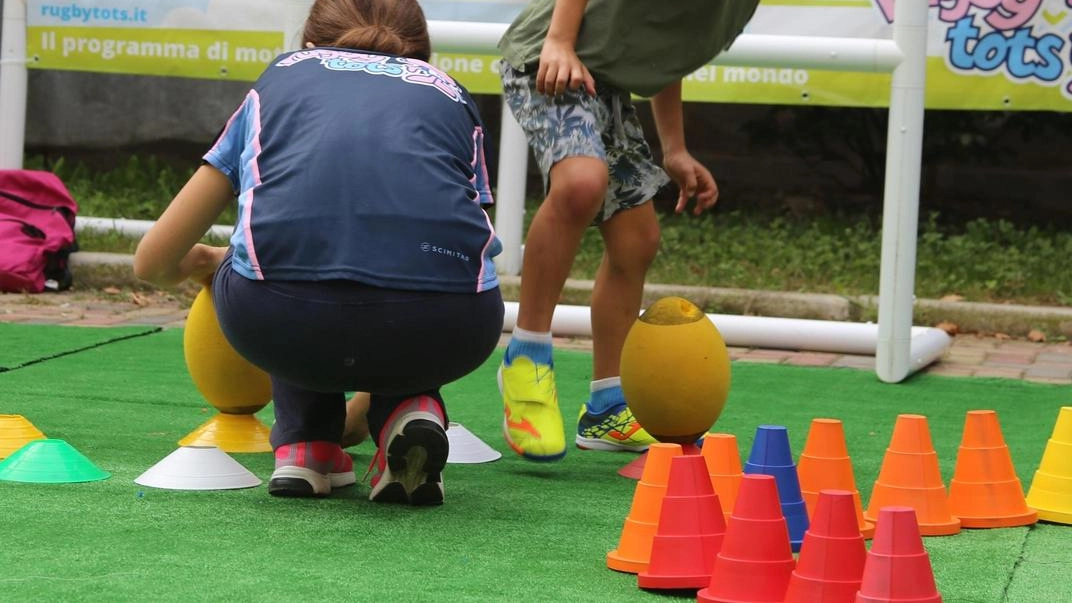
(631, 240)
(356, 429)
(578, 185)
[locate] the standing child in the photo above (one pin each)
(569, 69)
(361, 257)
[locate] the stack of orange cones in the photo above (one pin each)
(910, 477)
(825, 464)
(724, 467)
(15, 432)
(690, 529)
(634, 544)
(985, 491)
(1051, 490)
(756, 560)
(898, 569)
(831, 562)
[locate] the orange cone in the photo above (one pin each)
(690, 529)
(985, 491)
(756, 559)
(1051, 490)
(898, 569)
(825, 464)
(634, 545)
(15, 432)
(910, 477)
(724, 466)
(831, 562)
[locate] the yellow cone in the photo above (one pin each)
(231, 433)
(1051, 490)
(15, 432)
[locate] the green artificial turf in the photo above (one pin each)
(510, 530)
(22, 344)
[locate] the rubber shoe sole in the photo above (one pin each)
(414, 465)
(301, 482)
(600, 444)
(550, 458)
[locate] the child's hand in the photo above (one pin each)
(561, 69)
(204, 260)
(693, 179)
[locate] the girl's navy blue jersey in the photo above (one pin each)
(359, 166)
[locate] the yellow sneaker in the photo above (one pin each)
(532, 423)
(616, 429)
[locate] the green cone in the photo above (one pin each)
(49, 462)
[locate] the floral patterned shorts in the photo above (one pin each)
(577, 124)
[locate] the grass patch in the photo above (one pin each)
(985, 260)
(982, 260)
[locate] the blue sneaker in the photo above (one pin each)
(615, 430)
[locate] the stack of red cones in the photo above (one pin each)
(690, 529)
(831, 562)
(756, 560)
(898, 569)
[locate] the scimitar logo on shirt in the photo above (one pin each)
(430, 248)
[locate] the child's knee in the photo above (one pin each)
(579, 189)
(648, 242)
(645, 245)
(635, 250)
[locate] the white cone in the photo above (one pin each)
(465, 447)
(198, 468)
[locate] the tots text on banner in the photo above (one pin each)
(982, 54)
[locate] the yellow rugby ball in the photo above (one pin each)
(675, 371)
(227, 380)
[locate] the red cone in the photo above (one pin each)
(898, 569)
(756, 559)
(831, 562)
(690, 529)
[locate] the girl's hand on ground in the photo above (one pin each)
(694, 181)
(561, 69)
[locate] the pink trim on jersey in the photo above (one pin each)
(247, 216)
(478, 159)
(227, 128)
(484, 253)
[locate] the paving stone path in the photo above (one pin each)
(969, 356)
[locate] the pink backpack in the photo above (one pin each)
(37, 216)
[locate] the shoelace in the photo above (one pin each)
(376, 460)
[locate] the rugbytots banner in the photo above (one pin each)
(211, 39)
(982, 54)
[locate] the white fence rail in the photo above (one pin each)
(899, 348)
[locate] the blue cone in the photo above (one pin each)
(771, 455)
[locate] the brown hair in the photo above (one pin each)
(388, 26)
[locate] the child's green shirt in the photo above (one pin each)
(635, 45)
